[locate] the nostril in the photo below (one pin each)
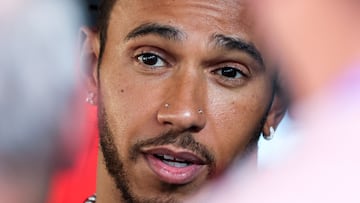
(167, 123)
(181, 117)
(194, 128)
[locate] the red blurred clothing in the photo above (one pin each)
(75, 184)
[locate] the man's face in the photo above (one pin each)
(182, 92)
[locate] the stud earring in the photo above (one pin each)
(166, 105)
(272, 133)
(200, 111)
(90, 98)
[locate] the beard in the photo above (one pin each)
(116, 167)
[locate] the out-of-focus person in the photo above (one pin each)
(39, 115)
(317, 46)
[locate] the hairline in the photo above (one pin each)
(104, 14)
(103, 26)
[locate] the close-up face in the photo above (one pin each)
(182, 92)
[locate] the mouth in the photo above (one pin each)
(174, 167)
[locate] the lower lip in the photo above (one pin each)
(173, 175)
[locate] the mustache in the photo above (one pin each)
(183, 140)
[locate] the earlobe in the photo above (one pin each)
(89, 57)
(276, 113)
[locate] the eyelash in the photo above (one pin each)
(152, 58)
(236, 75)
(238, 79)
(227, 69)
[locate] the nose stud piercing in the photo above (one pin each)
(167, 105)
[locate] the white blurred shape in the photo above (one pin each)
(38, 43)
(271, 152)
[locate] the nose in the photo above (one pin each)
(184, 108)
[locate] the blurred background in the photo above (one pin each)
(43, 117)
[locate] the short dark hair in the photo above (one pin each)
(104, 11)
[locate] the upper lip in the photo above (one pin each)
(182, 155)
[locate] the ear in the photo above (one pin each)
(276, 113)
(89, 58)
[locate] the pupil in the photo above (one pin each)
(149, 59)
(228, 72)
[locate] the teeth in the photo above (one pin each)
(181, 160)
(175, 164)
(172, 161)
(168, 157)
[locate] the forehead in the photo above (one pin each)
(213, 16)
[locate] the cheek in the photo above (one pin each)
(121, 100)
(131, 104)
(234, 123)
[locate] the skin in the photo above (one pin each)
(316, 40)
(192, 70)
(317, 44)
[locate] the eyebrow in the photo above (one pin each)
(164, 31)
(172, 33)
(234, 43)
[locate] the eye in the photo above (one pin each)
(229, 72)
(150, 59)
